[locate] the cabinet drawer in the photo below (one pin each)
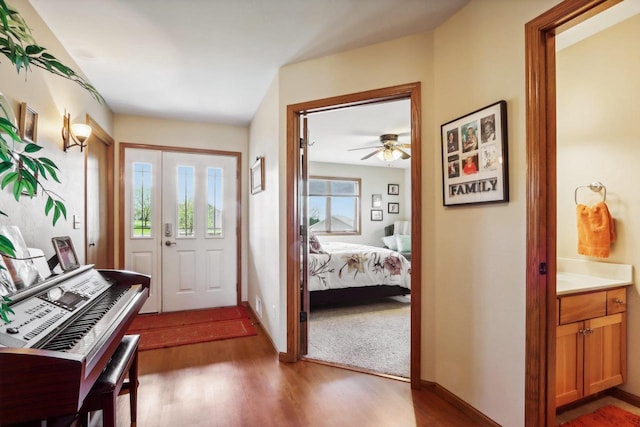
(617, 301)
(585, 306)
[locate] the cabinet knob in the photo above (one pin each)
(618, 301)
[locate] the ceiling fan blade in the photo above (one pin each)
(403, 154)
(403, 146)
(363, 148)
(373, 153)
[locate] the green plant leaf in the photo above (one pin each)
(47, 161)
(48, 206)
(6, 247)
(28, 162)
(8, 179)
(5, 166)
(32, 148)
(18, 187)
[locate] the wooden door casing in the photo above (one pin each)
(540, 75)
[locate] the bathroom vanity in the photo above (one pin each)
(591, 332)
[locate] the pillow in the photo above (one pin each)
(314, 245)
(402, 227)
(390, 242)
(403, 242)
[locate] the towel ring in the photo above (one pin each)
(595, 186)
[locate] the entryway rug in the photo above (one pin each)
(190, 327)
(607, 416)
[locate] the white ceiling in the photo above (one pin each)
(333, 133)
(213, 60)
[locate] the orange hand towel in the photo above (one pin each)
(595, 230)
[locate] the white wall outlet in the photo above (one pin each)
(76, 221)
(259, 307)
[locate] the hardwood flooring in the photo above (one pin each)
(240, 382)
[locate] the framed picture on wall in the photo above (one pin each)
(474, 157)
(393, 208)
(393, 189)
(257, 176)
(376, 200)
(376, 214)
(28, 126)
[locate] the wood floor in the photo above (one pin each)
(240, 382)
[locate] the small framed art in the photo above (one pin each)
(257, 176)
(376, 214)
(393, 189)
(474, 157)
(66, 253)
(376, 200)
(28, 125)
(393, 208)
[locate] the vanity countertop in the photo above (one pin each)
(576, 275)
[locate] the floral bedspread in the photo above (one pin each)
(346, 265)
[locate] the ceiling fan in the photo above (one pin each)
(390, 150)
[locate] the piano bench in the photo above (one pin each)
(112, 383)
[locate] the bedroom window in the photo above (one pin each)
(141, 200)
(334, 205)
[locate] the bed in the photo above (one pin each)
(345, 272)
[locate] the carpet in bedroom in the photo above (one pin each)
(373, 336)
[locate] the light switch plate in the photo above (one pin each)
(76, 221)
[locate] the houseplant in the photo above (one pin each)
(21, 167)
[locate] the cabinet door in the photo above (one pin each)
(605, 352)
(569, 363)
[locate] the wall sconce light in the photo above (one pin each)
(77, 132)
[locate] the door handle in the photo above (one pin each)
(91, 244)
(169, 243)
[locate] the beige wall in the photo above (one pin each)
(49, 96)
(265, 239)
(479, 59)
(597, 90)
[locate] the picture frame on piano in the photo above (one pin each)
(65, 252)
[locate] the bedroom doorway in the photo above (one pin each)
(296, 286)
(358, 174)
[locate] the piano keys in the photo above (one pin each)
(62, 335)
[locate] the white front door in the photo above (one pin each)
(181, 219)
(199, 229)
(142, 234)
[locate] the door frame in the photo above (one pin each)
(99, 135)
(163, 148)
(411, 91)
(540, 57)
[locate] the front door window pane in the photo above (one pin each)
(141, 200)
(214, 202)
(185, 201)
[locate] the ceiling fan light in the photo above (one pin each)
(388, 155)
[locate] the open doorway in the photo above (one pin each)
(542, 203)
(358, 215)
(296, 315)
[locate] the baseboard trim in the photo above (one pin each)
(283, 357)
(460, 404)
(625, 396)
